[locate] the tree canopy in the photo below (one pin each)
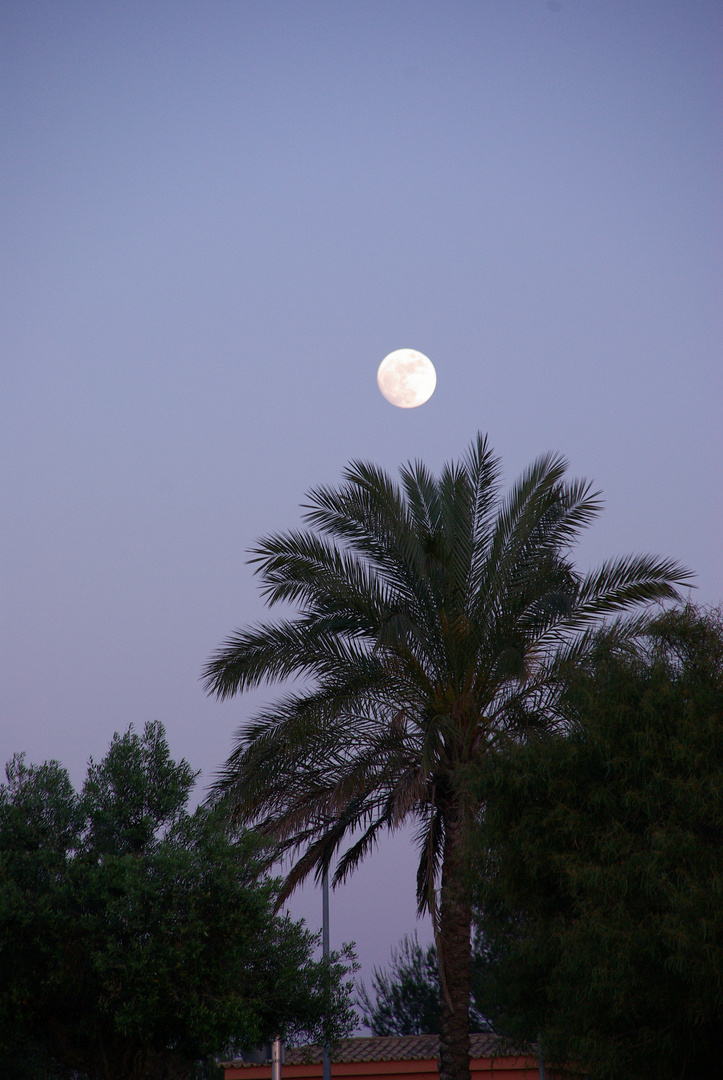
(136, 937)
(601, 867)
(408, 995)
(431, 616)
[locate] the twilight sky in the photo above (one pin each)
(218, 218)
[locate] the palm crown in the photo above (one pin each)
(432, 618)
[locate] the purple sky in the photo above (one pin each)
(219, 217)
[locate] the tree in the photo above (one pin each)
(407, 994)
(606, 846)
(137, 938)
(427, 615)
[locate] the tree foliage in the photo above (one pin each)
(429, 614)
(601, 879)
(407, 993)
(136, 937)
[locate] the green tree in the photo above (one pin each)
(407, 993)
(137, 938)
(602, 870)
(427, 615)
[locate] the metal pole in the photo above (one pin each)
(276, 1059)
(326, 1058)
(541, 1060)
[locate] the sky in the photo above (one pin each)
(218, 218)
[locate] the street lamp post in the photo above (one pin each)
(326, 953)
(276, 1055)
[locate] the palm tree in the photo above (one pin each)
(432, 619)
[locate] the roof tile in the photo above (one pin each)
(383, 1048)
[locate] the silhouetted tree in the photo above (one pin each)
(429, 617)
(602, 863)
(135, 937)
(407, 994)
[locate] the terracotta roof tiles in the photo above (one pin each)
(383, 1048)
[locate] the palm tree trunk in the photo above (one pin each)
(454, 952)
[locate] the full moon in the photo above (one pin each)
(407, 378)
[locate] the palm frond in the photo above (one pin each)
(633, 579)
(484, 470)
(435, 622)
(429, 839)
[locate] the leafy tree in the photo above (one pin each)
(33, 1061)
(137, 938)
(428, 614)
(407, 994)
(602, 870)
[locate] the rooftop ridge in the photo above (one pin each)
(381, 1048)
